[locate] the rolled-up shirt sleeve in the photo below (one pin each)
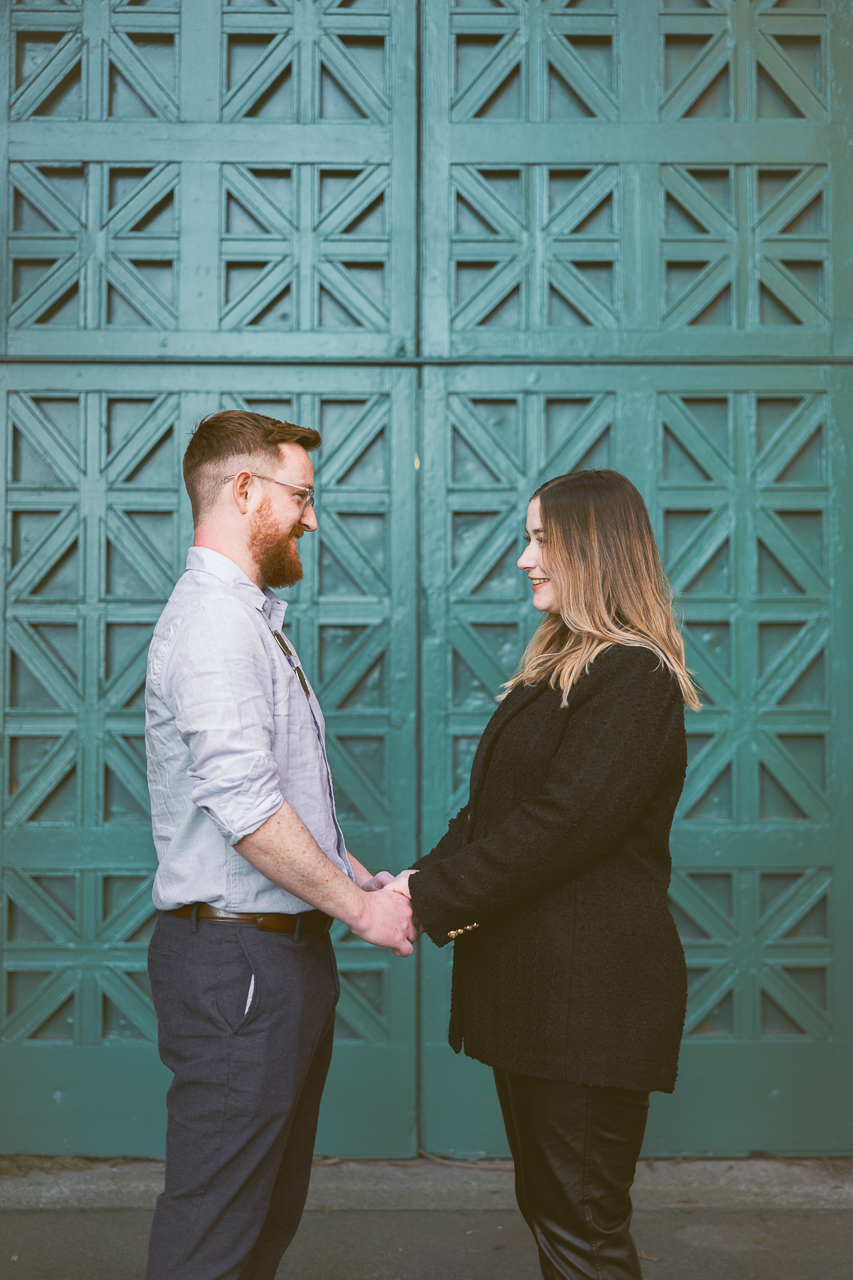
(217, 679)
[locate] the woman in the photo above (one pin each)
(568, 977)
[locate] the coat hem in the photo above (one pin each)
(560, 1072)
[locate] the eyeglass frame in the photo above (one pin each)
(285, 484)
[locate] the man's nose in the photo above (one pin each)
(309, 520)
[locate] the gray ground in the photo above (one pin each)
(425, 1220)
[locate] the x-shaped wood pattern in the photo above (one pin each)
(744, 499)
(529, 60)
(93, 245)
(71, 945)
(534, 245)
(305, 247)
(746, 246)
(758, 953)
(305, 63)
(744, 60)
(94, 60)
(93, 474)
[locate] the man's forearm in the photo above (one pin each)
(284, 850)
(359, 870)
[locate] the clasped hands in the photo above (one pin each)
(397, 926)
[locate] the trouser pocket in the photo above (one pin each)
(235, 983)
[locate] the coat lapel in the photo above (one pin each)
(520, 698)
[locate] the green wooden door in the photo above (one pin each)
(209, 205)
(611, 232)
(636, 255)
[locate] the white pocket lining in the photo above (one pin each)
(250, 996)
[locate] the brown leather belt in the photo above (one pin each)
(271, 921)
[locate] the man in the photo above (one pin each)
(252, 865)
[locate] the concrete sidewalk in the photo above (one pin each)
(430, 1220)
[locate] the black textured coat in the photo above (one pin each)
(561, 858)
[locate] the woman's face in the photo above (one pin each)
(531, 562)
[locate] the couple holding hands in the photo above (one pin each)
(568, 974)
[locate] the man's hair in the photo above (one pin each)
(230, 440)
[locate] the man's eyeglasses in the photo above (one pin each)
(297, 488)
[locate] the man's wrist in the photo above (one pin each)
(356, 910)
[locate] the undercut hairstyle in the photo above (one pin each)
(228, 441)
(600, 553)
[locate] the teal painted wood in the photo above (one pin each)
(656, 182)
(741, 493)
(209, 180)
(199, 179)
(97, 527)
(608, 179)
(649, 192)
(93, 534)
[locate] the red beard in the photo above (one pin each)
(275, 553)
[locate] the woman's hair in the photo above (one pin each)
(603, 562)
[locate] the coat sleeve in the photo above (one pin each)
(454, 836)
(623, 741)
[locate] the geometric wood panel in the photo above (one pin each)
(746, 247)
(75, 955)
(589, 221)
(305, 247)
(97, 528)
(95, 62)
(166, 242)
(94, 246)
(755, 62)
(744, 501)
(737, 469)
(93, 549)
(759, 959)
(559, 134)
(536, 248)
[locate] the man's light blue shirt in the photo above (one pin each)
(229, 736)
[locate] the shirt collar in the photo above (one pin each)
(204, 560)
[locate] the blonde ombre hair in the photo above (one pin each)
(602, 559)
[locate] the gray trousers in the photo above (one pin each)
(243, 1106)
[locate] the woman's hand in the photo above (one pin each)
(379, 881)
(401, 885)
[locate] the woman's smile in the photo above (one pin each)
(531, 561)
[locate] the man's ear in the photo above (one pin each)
(240, 488)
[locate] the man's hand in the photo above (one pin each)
(386, 920)
(284, 850)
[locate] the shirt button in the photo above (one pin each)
(266, 606)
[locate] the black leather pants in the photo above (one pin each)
(575, 1149)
